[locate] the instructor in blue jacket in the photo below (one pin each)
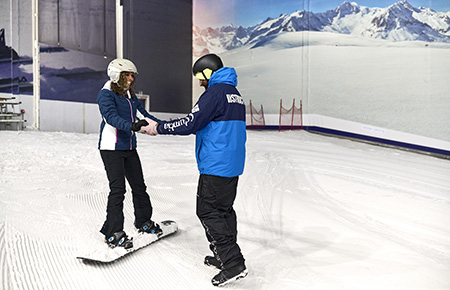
(218, 120)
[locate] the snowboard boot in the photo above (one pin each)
(119, 239)
(150, 227)
(213, 262)
(229, 275)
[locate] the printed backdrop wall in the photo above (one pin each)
(78, 39)
(15, 47)
(380, 63)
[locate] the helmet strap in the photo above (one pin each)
(204, 76)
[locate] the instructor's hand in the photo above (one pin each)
(150, 129)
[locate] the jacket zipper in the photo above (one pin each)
(132, 121)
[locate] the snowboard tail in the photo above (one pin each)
(106, 254)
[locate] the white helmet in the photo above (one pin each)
(119, 65)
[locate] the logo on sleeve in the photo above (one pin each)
(195, 109)
(180, 122)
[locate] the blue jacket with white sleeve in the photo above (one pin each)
(118, 114)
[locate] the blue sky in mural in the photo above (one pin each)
(217, 13)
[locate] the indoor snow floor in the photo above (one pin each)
(314, 212)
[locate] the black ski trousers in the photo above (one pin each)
(121, 165)
(215, 198)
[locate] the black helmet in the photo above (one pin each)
(205, 66)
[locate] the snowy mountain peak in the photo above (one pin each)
(402, 7)
(405, 4)
(347, 8)
(398, 22)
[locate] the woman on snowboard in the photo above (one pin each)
(117, 144)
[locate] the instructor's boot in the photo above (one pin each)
(229, 275)
(213, 262)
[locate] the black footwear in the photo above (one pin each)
(229, 275)
(119, 239)
(150, 227)
(213, 262)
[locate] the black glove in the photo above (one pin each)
(137, 126)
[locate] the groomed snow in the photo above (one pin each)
(314, 212)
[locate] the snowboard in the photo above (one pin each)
(105, 254)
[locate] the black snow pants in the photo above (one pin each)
(215, 198)
(120, 165)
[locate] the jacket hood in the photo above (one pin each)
(226, 75)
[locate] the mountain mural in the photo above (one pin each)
(398, 22)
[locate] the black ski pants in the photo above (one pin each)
(121, 165)
(215, 198)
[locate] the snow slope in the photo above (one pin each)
(314, 213)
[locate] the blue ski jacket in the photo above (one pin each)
(218, 120)
(118, 114)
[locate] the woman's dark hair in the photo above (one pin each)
(119, 88)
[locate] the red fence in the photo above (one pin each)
(292, 118)
(255, 119)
